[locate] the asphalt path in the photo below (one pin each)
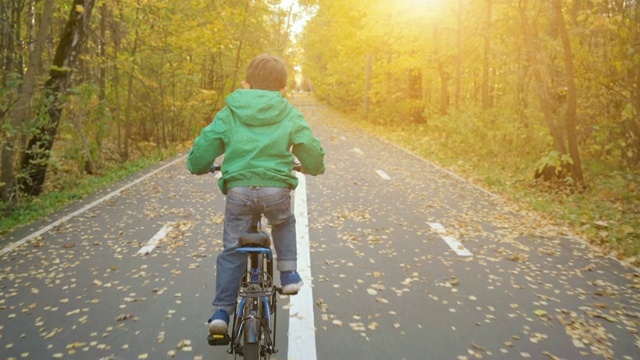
(403, 260)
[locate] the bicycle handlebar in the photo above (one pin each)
(216, 167)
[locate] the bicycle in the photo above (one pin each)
(253, 333)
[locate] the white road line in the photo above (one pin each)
(153, 242)
(383, 175)
(453, 243)
(302, 332)
(33, 235)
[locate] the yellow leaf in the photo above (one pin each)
(541, 312)
(80, 8)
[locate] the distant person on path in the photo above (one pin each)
(259, 132)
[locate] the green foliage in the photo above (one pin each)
(554, 160)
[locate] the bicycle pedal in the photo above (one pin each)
(218, 339)
(279, 291)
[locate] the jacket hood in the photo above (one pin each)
(254, 107)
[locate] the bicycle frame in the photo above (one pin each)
(256, 304)
(251, 332)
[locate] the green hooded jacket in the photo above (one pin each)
(258, 132)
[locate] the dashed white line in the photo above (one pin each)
(33, 235)
(383, 175)
(453, 243)
(302, 332)
(153, 242)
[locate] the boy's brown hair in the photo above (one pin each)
(267, 72)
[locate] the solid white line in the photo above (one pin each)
(453, 243)
(437, 227)
(302, 331)
(33, 235)
(153, 242)
(383, 175)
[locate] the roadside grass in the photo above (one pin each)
(68, 189)
(607, 213)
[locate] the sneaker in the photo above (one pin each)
(219, 323)
(291, 282)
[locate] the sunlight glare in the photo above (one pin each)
(422, 7)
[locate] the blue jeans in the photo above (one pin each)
(243, 209)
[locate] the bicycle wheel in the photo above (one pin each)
(252, 331)
(251, 351)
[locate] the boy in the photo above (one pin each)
(259, 132)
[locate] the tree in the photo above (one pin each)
(20, 111)
(634, 118)
(34, 160)
(572, 97)
(486, 61)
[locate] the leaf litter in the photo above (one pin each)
(516, 252)
(60, 263)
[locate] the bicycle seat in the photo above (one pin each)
(258, 239)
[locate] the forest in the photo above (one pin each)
(538, 100)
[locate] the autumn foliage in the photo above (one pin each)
(519, 94)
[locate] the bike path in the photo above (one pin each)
(388, 286)
(82, 290)
(386, 282)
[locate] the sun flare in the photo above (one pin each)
(419, 8)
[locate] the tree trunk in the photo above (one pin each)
(459, 34)
(444, 74)
(444, 89)
(19, 113)
(546, 105)
(236, 69)
(635, 121)
(486, 97)
(115, 109)
(415, 95)
(366, 99)
(570, 120)
(103, 53)
(124, 155)
(34, 161)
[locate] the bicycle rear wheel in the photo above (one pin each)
(253, 331)
(251, 351)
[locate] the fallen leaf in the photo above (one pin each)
(541, 312)
(123, 317)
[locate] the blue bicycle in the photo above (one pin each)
(253, 334)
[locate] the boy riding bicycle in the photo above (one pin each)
(259, 133)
